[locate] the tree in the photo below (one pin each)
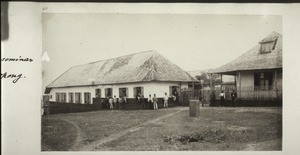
(216, 78)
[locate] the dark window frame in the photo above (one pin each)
(87, 98)
(107, 92)
(98, 93)
(71, 97)
(263, 80)
(79, 94)
(265, 43)
(138, 89)
(122, 93)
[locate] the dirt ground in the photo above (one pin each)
(217, 129)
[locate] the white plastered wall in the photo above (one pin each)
(158, 88)
(247, 79)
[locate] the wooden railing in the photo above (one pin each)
(246, 93)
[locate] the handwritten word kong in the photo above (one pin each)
(15, 77)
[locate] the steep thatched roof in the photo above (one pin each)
(254, 59)
(139, 67)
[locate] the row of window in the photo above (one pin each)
(136, 90)
(62, 97)
(123, 92)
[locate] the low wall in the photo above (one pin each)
(101, 104)
(249, 103)
(55, 108)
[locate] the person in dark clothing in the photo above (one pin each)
(138, 98)
(200, 99)
(233, 97)
(107, 103)
(176, 96)
(222, 97)
(213, 99)
(103, 103)
(145, 103)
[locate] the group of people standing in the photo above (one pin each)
(147, 103)
(151, 102)
(114, 102)
(233, 97)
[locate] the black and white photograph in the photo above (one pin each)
(161, 82)
(149, 78)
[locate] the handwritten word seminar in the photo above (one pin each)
(19, 59)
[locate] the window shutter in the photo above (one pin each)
(256, 79)
(270, 78)
(170, 91)
(134, 92)
(97, 92)
(142, 91)
(127, 92)
(80, 100)
(65, 97)
(61, 97)
(89, 98)
(57, 97)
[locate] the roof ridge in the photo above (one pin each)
(116, 57)
(150, 66)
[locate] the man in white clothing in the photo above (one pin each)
(166, 98)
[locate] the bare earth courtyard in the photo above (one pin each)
(240, 128)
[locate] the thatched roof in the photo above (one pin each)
(139, 67)
(254, 59)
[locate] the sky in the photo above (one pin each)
(192, 41)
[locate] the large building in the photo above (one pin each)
(258, 72)
(140, 73)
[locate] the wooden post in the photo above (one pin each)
(221, 81)
(180, 97)
(210, 81)
(235, 82)
(194, 108)
(193, 85)
(240, 85)
(275, 83)
(193, 90)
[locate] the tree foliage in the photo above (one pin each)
(216, 78)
